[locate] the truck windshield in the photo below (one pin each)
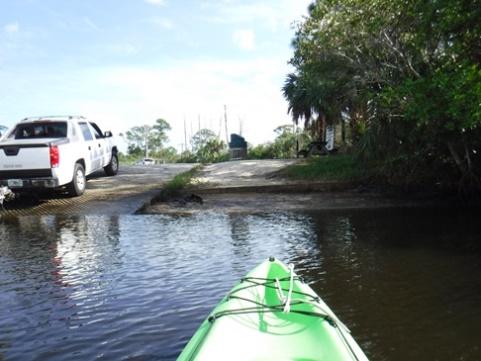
(41, 130)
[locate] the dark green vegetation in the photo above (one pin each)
(173, 187)
(180, 181)
(283, 147)
(148, 141)
(205, 147)
(402, 79)
(329, 168)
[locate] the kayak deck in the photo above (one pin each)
(272, 315)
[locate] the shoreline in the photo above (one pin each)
(247, 201)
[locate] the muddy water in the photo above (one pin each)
(406, 282)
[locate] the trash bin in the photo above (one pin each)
(237, 147)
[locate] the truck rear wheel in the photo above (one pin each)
(79, 182)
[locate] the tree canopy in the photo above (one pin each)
(406, 75)
(148, 140)
(202, 137)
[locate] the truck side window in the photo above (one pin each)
(96, 132)
(86, 131)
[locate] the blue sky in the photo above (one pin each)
(129, 62)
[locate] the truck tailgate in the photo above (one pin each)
(18, 158)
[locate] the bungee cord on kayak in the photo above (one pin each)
(267, 308)
(279, 315)
(286, 300)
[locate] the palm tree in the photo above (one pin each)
(313, 100)
(297, 97)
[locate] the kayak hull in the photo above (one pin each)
(272, 315)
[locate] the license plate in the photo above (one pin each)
(15, 183)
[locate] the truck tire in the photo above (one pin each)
(113, 167)
(79, 182)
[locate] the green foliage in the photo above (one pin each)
(213, 151)
(201, 138)
(262, 151)
(147, 140)
(449, 99)
(208, 149)
(187, 157)
(178, 183)
(158, 136)
(283, 147)
(135, 151)
(339, 167)
(127, 158)
(167, 155)
(406, 73)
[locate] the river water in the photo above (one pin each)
(407, 282)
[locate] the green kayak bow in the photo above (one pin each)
(271, 314)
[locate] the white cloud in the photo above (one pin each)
(276, 14)
(241, 12)
(157, 2)
(245, 39)
(12, 28)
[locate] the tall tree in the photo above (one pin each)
(202, 137)
(159, 134)
(138, 138)
(406, 73)
(149, 139)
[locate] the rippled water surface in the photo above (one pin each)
(406, 282)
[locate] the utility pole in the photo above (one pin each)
(220, 127)
(185, 136)
(241, 125)
(225, 121)
(191, 135)
(201, 141)
(146, 138)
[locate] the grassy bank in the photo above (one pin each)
(371, 176)
(329, 168)
(179, 182)
(172, 188)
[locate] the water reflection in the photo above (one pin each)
(138, 286)
(240, 231)
(47, 263)
(399, 277)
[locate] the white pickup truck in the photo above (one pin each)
(55, 151)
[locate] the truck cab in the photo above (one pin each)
(55, 151)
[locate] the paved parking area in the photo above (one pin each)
(124, 193)
(243, 173)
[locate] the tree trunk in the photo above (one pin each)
(457, 158)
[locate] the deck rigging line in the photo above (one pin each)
(284, 306)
